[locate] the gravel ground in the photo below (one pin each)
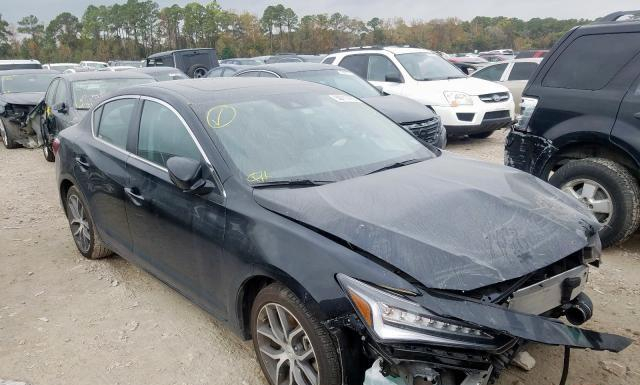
(66, 320)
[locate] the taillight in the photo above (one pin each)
(55, 146)
(527, 106)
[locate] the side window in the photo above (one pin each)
(381, 69)
(492, 74)
(591, 61)
(522, 71)
(96, 117)
(267, 75)
(357, 64)
(51, 91)
(329, 60)
(162, 135)
(61, 93)
(115, 121)
(250, 74)
(216, 72)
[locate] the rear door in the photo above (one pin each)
(176, 235)
(101, 172)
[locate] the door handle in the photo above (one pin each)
(135, 198)
(636, 115)
(83, 163)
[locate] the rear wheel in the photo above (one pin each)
(291, 344)
(481, 135)
(82, 227)
(48, 152)
(7, 136)
(197, 71)
(607, 189)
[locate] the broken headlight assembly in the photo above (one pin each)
(527, 106)
(392, 318)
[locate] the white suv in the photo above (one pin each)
(467, 106)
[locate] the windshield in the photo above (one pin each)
(428, 66)
(86, 92)
(306, 135)
(343, 80)
(25, 83)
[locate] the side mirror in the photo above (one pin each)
(392, 78)
(60, 107)
(186, 174)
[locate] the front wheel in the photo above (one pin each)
(7, 136)
(291, 344)
(607, 189)
(83, 229)
(48, 153)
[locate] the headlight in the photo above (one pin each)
(390, 317)
(456, 99)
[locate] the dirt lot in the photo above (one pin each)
(66, 320)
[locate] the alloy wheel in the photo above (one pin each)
(79, 223)
(595, 197)
(286, 350)
(199, 73)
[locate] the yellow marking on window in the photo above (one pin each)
(257, 177)
(221, 116)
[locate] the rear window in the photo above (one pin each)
(591, 61)
(492, 74)
(86, 93)
(522, 71)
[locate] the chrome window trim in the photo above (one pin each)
(216, 177)
(248, 71)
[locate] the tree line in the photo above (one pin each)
(135, 29)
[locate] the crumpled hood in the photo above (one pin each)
(22, 98)
(400, 109)
(449, 222)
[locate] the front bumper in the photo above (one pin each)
(529, 153)
(479, 117)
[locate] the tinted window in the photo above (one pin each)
(340, 79)
(61, 94)
(86, 92)
(382, 69)
(492, 74)
(329, 60)
(162, 135)
(96, 116)
(522, 71)
(115, 120)
(357, 64)
(591, 61)
(51, 91)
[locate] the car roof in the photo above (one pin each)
(28, 72)
(286, 68)
(166, 53)
(396, 50)
(19, 61)
(96, 75)
(195, 91)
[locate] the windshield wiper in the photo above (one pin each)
(396, 165)
(292, 183)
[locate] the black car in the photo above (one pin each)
(162, 74)
(308, 221)
(70, 96)
(21, 91)
(225, 70)
(580, 125)
(415, 117)
(195, 62)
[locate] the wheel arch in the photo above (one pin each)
(65, 185)
(592, 148)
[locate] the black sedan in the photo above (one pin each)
(311, 223)
(413, 116)
(21, 91)
(71, 95)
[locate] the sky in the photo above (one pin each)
(364, 9)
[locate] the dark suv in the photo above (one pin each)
(195, 62)
(580, 123)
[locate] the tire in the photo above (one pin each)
(48, 153)
(281, 301)
(94, 248)
(7, 137)
(616, 185)
(481, 135)
(197, 71)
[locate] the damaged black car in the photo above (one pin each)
(21, 92)
(309, 222)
